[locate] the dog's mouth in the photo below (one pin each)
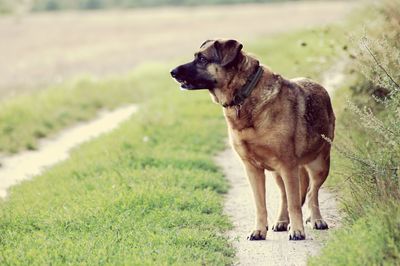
(186, 85)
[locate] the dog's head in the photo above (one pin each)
(212, 65)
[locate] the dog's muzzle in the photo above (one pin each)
(185, 85)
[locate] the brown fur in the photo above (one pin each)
(279, 129)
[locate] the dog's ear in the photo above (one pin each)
(204, 43)
(228, 51)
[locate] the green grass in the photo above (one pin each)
(371, 240)
(370, 234)
(26, 119)
(306, 53)
(120, 199)
(123, 200)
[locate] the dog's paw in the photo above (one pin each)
(258, 235)
(296, 235)
(317, 224)
(280, 226)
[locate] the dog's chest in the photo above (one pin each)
(254, 148)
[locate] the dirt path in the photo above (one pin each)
(28, 164)
(50, 47)
(276, 250)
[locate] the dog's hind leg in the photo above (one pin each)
(282, 221)
(304, 184)
(256, 178)
(318, 171)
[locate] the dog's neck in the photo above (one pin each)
(240, 85)
(243, 92)
(266, 90)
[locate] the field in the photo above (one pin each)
(121, 200)
(26, 119)
(165, 196)
(55, 5)
(150, 192)
(49, 48)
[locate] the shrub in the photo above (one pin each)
(372, 146)
(375, 160)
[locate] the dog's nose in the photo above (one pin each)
(174, 72)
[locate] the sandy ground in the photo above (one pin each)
(277, 249)
(28, 164)
(45, 48)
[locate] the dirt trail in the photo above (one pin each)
(28, 164)
(51, 47)
(276, 250)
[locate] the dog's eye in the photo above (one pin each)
(203, 60)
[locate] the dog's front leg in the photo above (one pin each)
(256, 178)
(282, 220)
(291, 181)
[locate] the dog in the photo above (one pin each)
(274, 124)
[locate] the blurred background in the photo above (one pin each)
(48, 41)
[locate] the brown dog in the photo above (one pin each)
(274, 124)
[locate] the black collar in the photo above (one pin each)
(247, 88)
